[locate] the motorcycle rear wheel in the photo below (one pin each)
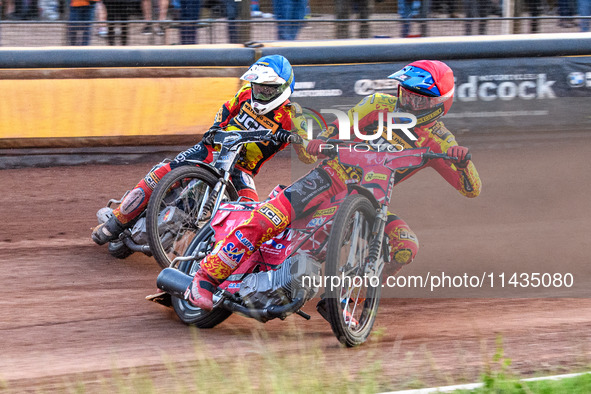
(352, 310)
(180, 193)
(188, 313)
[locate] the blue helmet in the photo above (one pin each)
(272, 82)
(426, 89)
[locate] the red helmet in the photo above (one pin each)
(426, 90)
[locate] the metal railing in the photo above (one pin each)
(216, 31)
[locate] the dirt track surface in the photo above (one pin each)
(70, 309)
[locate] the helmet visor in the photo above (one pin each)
(266, 92)
(413, 101)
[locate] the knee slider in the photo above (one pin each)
(402, 256)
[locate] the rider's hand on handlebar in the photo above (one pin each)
(282, 135)
(462, 155)
(209, 136)
(314, 147)
(295, 138)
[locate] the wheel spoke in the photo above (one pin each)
(352, 306)
(357, 250)
(183, 189)
(356, 258)
(190, 197)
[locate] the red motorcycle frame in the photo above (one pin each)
(341, 241)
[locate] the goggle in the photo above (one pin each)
(266, 92)
(414, 101)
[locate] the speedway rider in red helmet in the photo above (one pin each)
(262, 103)
(426, 90)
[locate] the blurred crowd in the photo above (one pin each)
(109, 19)
(481, 10)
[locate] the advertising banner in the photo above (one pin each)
(491, 95)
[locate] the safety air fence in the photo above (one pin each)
(137, 97)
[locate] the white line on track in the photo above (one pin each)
(472, 386)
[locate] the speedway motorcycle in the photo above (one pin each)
(340, 247)
(184, 200)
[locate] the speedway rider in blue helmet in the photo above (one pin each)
(262, 103)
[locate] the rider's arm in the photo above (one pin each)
(300, 149)
(365, 114)
(231, 107)
(369, 111)
(331, 131)
(298, 124)
(465, 180)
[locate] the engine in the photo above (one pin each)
(297, 276)
(139, 233)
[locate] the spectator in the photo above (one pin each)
(190, 11)
(447, 7)
(289, 10)
(232, 12)
(343, 11)
(49, 10)
(584, 10)
(100, 13)
(407, 9)
(566, 8)
(24, 10)
(119, 11)
(476, 9)
(534, 9)
(361, 7)
(80, 26)
(6, 7)
(496, 7)
(175, 10)
(425, 9)
(255, 9)
(452, 8)
(152, 9)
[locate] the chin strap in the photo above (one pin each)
(427, 118)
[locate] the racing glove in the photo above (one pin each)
(314, 147)
(209, 136)
(282, 135)
(461, 153)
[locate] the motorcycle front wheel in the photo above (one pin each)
(352, 304)
(173, 210)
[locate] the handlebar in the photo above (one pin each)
(231, 138)
(432, 155)
(295, 139)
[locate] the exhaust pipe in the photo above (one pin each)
(174, 282)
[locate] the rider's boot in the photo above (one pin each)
(132, 205)
(215, 269)
(404, 245)
(107, 231)
(202, 289)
